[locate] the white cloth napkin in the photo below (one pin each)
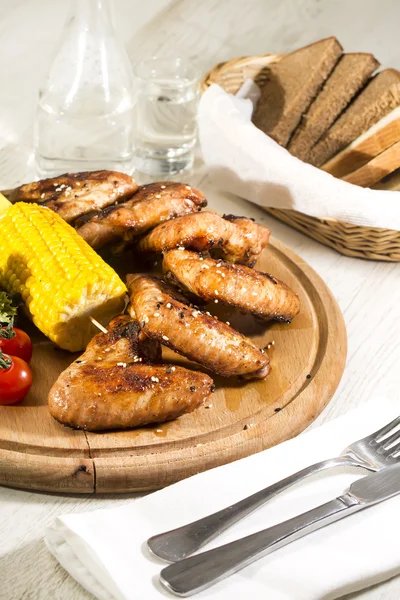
(243, 160)
(105, 549)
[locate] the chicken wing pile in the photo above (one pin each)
(151, 205)
(120, 380)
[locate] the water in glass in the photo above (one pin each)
(166, 108)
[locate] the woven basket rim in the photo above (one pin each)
(204, 82)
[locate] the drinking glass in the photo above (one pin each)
(165, 115)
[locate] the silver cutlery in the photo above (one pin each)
(191, 575)
(374, 452)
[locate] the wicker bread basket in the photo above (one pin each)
(352, 240)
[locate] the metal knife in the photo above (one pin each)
(191, 575)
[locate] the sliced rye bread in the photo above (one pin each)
(376, 169)
(347, 78)
(380, 136)
(378, 98)
(292, 85)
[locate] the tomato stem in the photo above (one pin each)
(5, 361)
(7, 333)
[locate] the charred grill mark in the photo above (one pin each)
(138, 345)
(101, 214)
(271, 278)
(97, 215)
(87, 217)
(233, 218)
(119, 327)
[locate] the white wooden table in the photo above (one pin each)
(207, 32)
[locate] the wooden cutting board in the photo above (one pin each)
(242, 418)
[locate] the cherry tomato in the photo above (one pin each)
(19, 345)
(15, 379)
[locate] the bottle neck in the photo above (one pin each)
(92, 14)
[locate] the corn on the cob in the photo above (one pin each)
(61, 279)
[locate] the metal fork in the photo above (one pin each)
(374, 452)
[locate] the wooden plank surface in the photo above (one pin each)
(207, 32)
(241, 418)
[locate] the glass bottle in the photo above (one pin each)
(84, 117)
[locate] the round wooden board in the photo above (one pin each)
(241, 418)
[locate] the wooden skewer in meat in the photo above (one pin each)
(236, 239)
(236, 285)
(115, 385)
(163, 315)
(151, 205)
(75, 194)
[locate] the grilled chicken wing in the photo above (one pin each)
(237, 239)
(151, 205)
(191, 332)
(255, 234)
(75, 194)
(237, 285)
(114, 384)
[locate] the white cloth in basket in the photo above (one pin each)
(245, 161)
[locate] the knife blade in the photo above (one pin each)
(196, 573)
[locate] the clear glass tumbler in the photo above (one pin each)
(84, 117)
(165, 115)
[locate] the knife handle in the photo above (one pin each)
(191, 575)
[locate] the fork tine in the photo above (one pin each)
(378, 435)
(395, 451)
(391, 440)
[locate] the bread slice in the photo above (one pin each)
(348, 77)
(378, 99)
(292, 85)
(390, 183)
(380, 136)
(376, 169)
